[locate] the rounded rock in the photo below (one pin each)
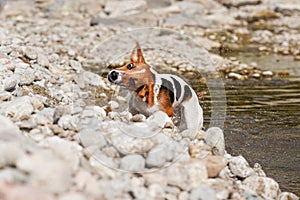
(240, 167)
(264, 187)
(214, 137)
(203, 192)
(157, 156)
(133, 162)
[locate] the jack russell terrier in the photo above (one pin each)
(152, 91)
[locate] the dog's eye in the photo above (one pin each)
(130, 66)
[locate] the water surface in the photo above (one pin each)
(263, 119)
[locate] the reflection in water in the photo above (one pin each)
(263, 124)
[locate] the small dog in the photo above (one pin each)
(152, 91)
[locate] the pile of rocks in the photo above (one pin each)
(65, 132)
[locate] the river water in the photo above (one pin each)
(263, 119)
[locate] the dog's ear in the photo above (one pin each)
(137, 55)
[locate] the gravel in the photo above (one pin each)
(65, 131)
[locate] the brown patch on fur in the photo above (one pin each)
(147, 94)
(165, 102)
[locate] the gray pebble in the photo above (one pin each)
(25, 74)
(214, 137)
(287, 196)
(265, 187)
(31, 53)
(4, 96)
(9, 83)
(203, 192)
(18, 108)
(157, 156)
(76, 66)
(133, 163)
(43, 60)
(90, 137)
(139, 118)
(68, 122)
(240, 167)
(45, 116)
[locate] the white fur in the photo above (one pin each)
(189, 111)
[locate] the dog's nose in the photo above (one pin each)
(112, 76)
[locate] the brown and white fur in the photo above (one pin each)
(152, 91)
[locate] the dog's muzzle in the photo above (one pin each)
(113, 76)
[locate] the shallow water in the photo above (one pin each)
(263, 119)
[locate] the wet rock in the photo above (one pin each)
(237, 76)
(287, 8)
(256, 75)
(120, 8)
(287, 196)
(158, 156)
(263, 15)
(203, 192)
(240, 167)
(214, 164)
(267, 73)
(239, 3)
(214, 137)
(19, 108)
(265, 187)
(133, 162)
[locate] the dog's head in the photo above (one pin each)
(135, 74)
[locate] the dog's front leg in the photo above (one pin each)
(191, 115)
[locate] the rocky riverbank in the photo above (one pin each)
(64, 130)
